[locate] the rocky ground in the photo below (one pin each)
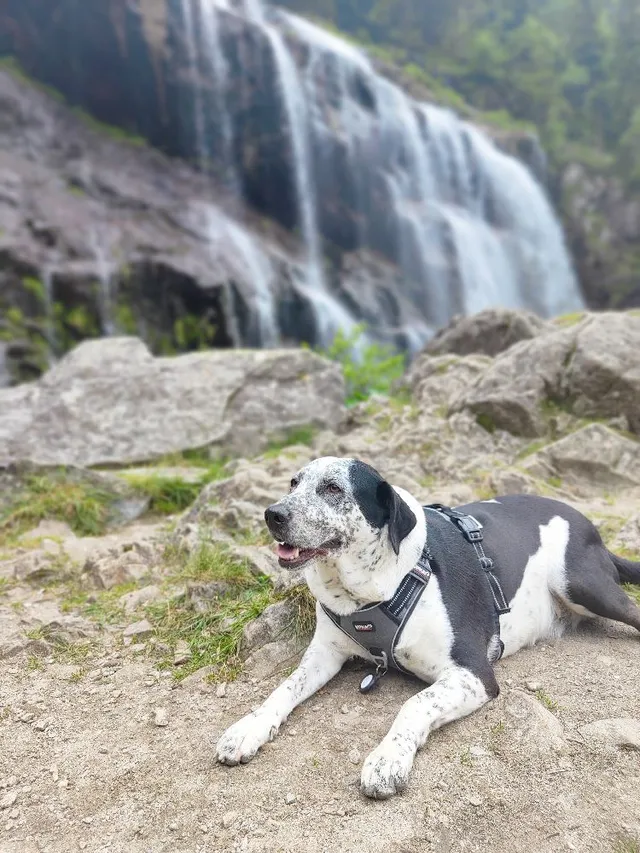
(141, 612)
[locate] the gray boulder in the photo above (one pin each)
(589, 369)
(594, 454)
(110, 401)
(488, 332)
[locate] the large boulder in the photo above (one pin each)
(111, 402)
(591, 368)
(594, 454)
(488, 332)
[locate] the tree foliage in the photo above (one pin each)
(570, 66)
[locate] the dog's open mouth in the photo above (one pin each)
(291, 557)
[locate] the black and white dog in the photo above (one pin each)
(358, 537)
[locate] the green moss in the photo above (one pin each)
(486, 422)
(11, 64)
(117, 133)
(35, 287)
(568, 320)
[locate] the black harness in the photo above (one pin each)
(377, 628)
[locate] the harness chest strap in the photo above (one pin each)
(378, 627)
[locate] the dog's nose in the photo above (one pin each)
(276, 516)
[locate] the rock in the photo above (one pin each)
(537, 730)
(182, 653)
(533, 686)
(511, 392)
(488, 332)
(8, 800)
(88, 411)
(138, 630)
(221, 690)
(602, 377)
(290, 799)
(437, 381)
(629, 536)
(591, 368)
(106, 569)
(41, 725)
(202, 595)
(623, 732)
(131, 601)
(229, 818)
(274, 658)
(354, 756)
(161, 717)
(274, 623)
(595, 455)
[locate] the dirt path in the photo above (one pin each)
(85, 767)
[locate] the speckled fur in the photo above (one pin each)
(365, 569)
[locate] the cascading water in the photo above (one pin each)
(105, 271)
(467, 224)
(330, 315)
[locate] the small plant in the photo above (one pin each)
(368, 368)
(466, 758)
(627, 844)
(549, 703)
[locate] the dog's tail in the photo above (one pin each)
(628, 570)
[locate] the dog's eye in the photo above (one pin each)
(294, 483)
(333, 489)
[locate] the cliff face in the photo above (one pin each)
(298, 190)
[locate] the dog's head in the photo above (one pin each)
(337, 507)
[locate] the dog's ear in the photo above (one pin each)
(401, 519)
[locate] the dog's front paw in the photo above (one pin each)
(386, 771)
(243, 739)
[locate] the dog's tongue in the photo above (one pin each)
(286, 552)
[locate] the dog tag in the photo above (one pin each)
(369, 682)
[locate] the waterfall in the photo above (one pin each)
(105, 270)
(234, 248)
(330, 315)
(467, 225)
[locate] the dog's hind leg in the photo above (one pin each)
(457, 693)
(596, 592)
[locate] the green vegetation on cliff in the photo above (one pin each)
(570, 66)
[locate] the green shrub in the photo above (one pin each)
(368, 368)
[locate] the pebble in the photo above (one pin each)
(14, 813)
(182, 653)
(475, 801)
(221, 690)
(229, 819)
(139, 630)
(345, 709)
(103, 750)
(87, 820)
(290, 799)
(173, 826)
(8, 800)
(40, 725)
(354, 756)
(136, 648)
(161, 717)
(54, 773)
(479, 752)
(533, 686)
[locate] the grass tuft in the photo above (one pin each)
(84, 506)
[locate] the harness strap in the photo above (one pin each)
(471, 529)
(377, 628)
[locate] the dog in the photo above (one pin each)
(357, 537)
